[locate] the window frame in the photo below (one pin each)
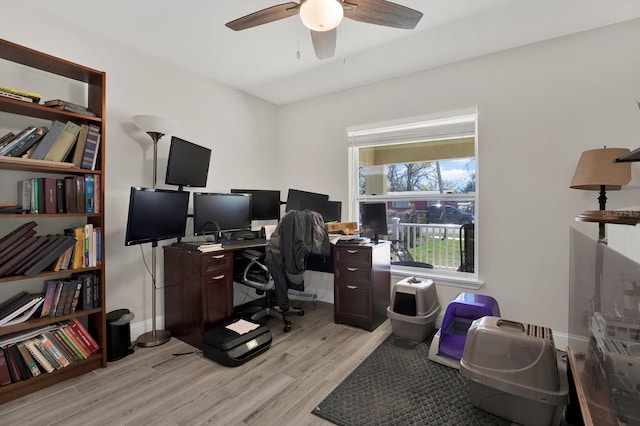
(432, 127)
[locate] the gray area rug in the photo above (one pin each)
(398, 385)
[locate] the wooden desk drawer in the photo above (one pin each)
(215, 261)
(353, 273)
(350, 255)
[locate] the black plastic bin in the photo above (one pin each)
(119, 334)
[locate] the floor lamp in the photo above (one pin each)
(155, 127)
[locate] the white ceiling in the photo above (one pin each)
(264, 61)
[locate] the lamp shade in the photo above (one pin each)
(597, 168)
(154, 124)
(321, 15)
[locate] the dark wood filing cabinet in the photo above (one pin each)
(362, 284)
(198, 292)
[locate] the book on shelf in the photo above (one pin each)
(15, 142)
(60, 202)
(78, 151)
(11, 363)
(50, 195)
(97, 193)
(29, 142)
(26, 251)
(17, 97)
(13, 236)
(24, 194)
(5, 377)
(61, 102)
(35, 196)
(41, 359)
(14, 250)
(23, 312)
(63, 143)
(89, 194)
(35, 97)
(84, 335)
(70, 108)
(44, 243)
(79, 185)
(23, 370)
(70, 202)
(28, 359)
(47, 140)
(54, 347)
(57, 295)
(4, 140)
(91, 147)
(54, 251)
(76, 352)
(49, 291)
(46, 352)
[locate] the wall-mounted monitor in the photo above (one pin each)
(188, 164)
(296, 196)
(214, 213)
(265, 204)
(156, 214)
(331, 211)
(373, 220)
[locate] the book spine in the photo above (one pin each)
(45, 353)
(5, 377)
(28, 359)
(60, 205)
(89, 194)
(50, 194)
(64, 347)
(54, 351)
(86, 338)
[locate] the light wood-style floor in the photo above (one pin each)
(153, 386)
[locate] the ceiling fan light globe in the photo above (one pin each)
(321, 15)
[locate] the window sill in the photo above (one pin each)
(453, 279)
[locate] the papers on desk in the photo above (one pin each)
(210, 247)
(242, 326)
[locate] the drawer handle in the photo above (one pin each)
(352, 287)
(352, 251)
(217, 277)
(219, 256)
(352, 269)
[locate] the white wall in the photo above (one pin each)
(539, 107)
(240, 129)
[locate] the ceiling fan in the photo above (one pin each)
(323, 16)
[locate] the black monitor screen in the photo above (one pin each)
(265, 204)
(296, 196)
(373, 218)
(156, 214)
(188, 164)
(331, 211)
(220, 212)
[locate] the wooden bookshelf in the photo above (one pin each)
(94, 319)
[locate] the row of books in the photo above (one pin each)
(44, 351)
(49, 195)
(24, 253)
(59, 297)
(67, 142)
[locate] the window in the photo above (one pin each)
(424, 169)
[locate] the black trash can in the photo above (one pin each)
(119, 334)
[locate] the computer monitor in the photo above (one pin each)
(295, 197)
(265, 203)
(188, 164)
(373, 220)
(331, 211)
(220, 213)
(156, 214)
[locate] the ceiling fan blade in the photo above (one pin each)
(324, 43)
(381, 12)
(264, 16)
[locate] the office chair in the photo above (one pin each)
(252, 272)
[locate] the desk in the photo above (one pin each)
(198, 289)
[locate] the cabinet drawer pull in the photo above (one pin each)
(217, 277)
(352, 269)
(352, 251)
(352, 287)
(219, 256)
